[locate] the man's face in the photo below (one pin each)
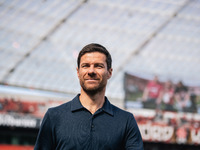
(93, 73)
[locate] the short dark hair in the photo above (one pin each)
(94, 47)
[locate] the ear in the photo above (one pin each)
(77, 70)
(109, 73)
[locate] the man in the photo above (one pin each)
(182, 97)
(152, 94)
(89, 121)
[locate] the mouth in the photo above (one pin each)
(91, 79)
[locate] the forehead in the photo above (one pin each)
(93, 57)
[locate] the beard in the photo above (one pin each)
(92, 90)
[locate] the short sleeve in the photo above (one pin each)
(45, 138)
(133, 139)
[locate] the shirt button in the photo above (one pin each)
(92, 126)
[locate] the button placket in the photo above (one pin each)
(92, 123)
(93, 117)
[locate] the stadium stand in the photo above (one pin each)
(36, 34)
(40, 41)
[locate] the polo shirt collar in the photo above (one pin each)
(76, 105)
(107, 107)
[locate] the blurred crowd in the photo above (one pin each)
(34, 108)
(13, 105)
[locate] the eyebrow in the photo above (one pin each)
(102, 64)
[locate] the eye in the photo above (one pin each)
(99, 66)
(85, 65)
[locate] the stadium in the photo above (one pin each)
(39, 44)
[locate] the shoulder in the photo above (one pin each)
(125, 119)
(150, 83)
(123, 114)
(114, 110)
(63, 108)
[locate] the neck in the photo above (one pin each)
(92, 102)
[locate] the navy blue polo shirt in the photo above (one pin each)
(70, 126)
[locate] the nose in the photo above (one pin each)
(91, 71)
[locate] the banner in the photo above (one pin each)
(168, 127)
(16, 120)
